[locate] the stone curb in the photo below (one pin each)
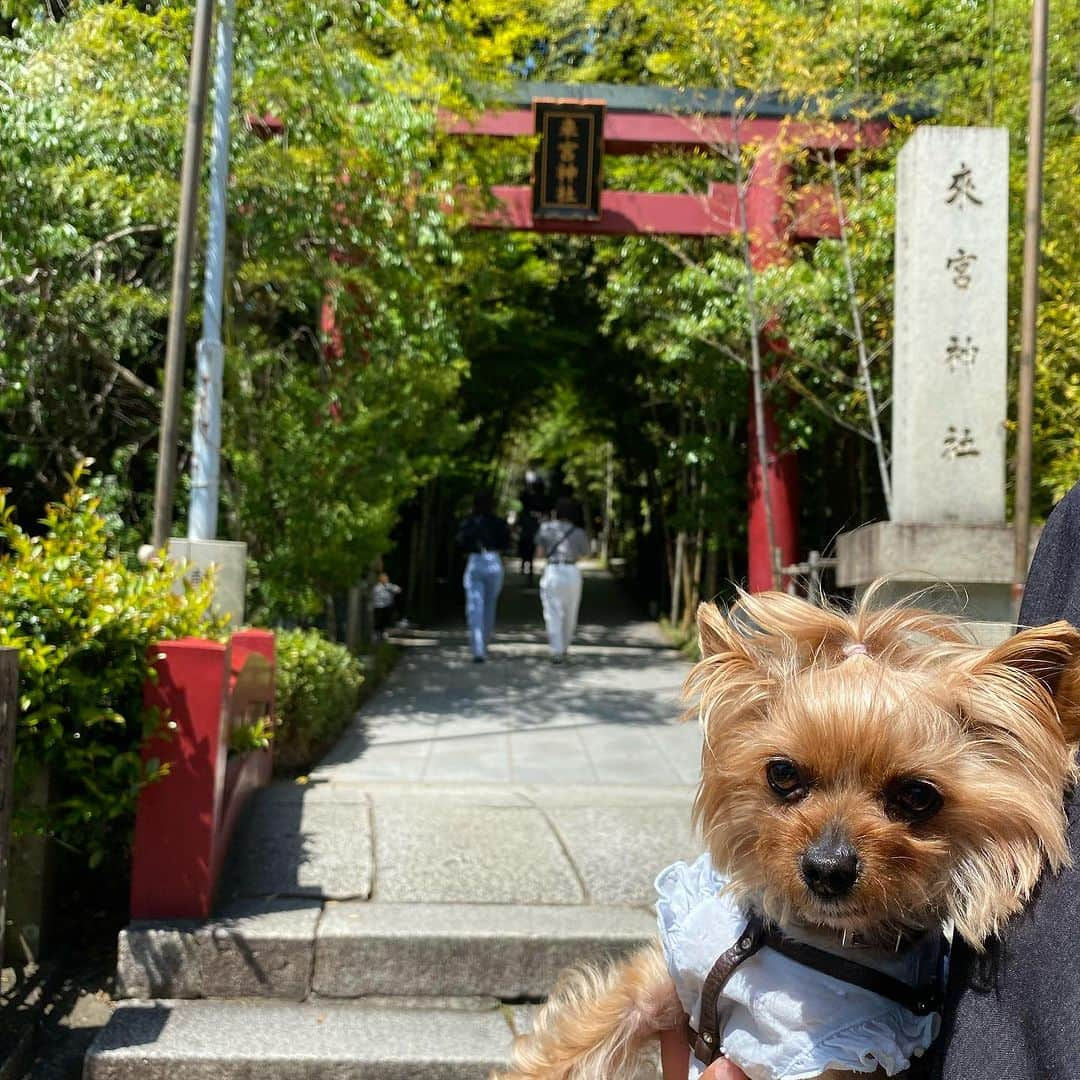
(363, 949)
(266, 954)
(244, 1040)
(508, 951)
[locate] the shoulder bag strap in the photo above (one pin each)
(559, 542)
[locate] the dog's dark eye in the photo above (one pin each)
(785, 778)
(912, 800)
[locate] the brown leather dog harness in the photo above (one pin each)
(705, 1042)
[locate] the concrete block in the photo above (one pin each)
(511, 952)
(229, 561)
(258, 950)
(967, 569)
(618, 851)
(949, 358)
(301, 845)
(204, 1040)
(460, 854)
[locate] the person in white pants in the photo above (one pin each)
(562, 543)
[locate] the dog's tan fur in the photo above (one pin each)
(994, 730)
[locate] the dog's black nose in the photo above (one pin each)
(830, 866)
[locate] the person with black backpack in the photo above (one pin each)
(562, 542)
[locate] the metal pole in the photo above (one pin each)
(165, 485)
(210, 353)
(1030, 306)
(9, 715)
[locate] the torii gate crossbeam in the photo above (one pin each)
(642, 120)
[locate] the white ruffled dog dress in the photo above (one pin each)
(779, 1019)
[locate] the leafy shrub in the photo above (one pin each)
(318, 690)
(83, 621)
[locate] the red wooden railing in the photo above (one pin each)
(184, 821)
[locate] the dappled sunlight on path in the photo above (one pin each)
(610, 716)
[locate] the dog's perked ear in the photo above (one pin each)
(730, 678)
(1033, 666)
(752, 649)
(1017, 704)
(712, 630)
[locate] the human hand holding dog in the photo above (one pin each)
(675, 1055)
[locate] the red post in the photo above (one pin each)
(768, 220)
(245, 642)
(333, 341)
(245, 773)
(176, 826)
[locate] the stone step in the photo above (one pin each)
(358, 949)
(270, 1040)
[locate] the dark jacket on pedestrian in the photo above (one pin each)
(483, 532)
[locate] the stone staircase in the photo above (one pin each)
(344, 990)
(316, 976)
(398, 917)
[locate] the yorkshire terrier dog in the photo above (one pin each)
(869, 780)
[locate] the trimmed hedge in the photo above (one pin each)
(318, 692)
(83, 620)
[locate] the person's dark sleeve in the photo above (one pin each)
(1053, 585)
(465, 536)
(1013, 1013)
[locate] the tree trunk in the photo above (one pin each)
(9, 710)
(860, 341)
(609, 504)
(352, 619)
(412, 580)
(677, 577)
(693, 581)
(712, 573)
(331, 617)
(426, 570)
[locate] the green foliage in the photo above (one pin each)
(321, 442)
(451, 342)
(317, 692)
(258, 735)
(84, 620)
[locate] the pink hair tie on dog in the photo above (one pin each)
(855, 648)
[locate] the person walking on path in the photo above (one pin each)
(384, 598)
(562, 542)
(484, 537)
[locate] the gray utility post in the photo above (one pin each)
(201, 549)
(165, 485)
(210, 352)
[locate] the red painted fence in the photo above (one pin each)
(184, 821)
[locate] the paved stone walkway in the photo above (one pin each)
(510, 782)
(479, 828)
(608, 717)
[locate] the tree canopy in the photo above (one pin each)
(454, 351)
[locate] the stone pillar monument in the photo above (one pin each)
(949, 379)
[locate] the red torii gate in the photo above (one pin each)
(642, 120)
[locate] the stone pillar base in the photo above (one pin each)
(967, 568)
